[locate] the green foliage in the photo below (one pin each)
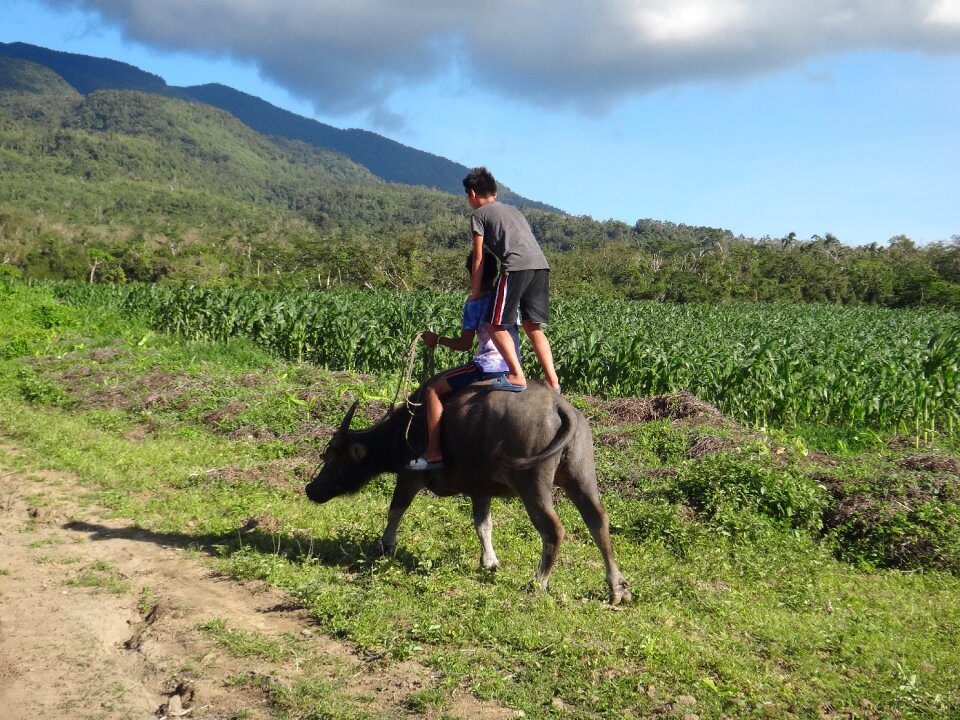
(241, 643)
(15, 335)
(727, 488)
(769, 365)
(37, 390)
(740, 610)
(15, 347)
(120, 185)
(660, 521)
(8, 272)
(50, 316)
(100, 577)
(172, 188)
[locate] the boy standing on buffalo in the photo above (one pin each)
(524, 281)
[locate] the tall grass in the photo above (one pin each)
(765, 364)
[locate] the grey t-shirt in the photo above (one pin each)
(507, 234)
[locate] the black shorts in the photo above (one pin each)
(459, 377)
(523, 294)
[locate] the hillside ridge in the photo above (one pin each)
(387, 159)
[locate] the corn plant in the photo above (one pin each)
(765, 364)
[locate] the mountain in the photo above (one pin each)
(28, 77)
(142, 186)
(387, 159)
(158, 187)
(87, 74)
(60, 144)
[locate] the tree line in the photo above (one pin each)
(651, 260)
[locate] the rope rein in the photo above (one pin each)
(405, 384)
(404, 388)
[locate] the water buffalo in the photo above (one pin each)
(495, 444)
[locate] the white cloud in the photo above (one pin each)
(351, 55)
(944, 12)
(678, 23)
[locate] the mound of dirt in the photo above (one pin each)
(889, 522)
(930, 463)
(676, 406)
(224, 412)
(704, 445)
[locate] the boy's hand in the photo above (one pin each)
(430, 338)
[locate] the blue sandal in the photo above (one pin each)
(501, 383)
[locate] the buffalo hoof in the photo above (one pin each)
(386, 550)
(621, 595)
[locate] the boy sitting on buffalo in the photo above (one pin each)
(487, 363)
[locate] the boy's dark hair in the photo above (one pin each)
(481, 181)
(490, 268)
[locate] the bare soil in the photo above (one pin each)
(102, 620)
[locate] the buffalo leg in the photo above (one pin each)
(536, 493)
(408, 485)
(587, 499)
(483, 524)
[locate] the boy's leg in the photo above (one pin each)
(507, 291)
(508, 351)
(541, 347)
(435, 393)
(535, 309)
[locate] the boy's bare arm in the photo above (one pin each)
(476, 267)
(462, 343)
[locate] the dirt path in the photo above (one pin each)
(103, 621)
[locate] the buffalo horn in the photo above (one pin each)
(345, 425)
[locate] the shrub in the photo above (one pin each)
(906, 523)
(37, 391)
(10, 272)
(668, 523)
(727, 489)
(17, 347)
(50, 316)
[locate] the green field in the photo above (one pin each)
(794, 556)
(773, 365)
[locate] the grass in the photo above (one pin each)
(307, 699)
(744, 605)
(99, 576)
(241, 643)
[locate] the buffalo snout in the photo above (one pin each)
(320, 490)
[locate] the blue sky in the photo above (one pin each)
(837, 116)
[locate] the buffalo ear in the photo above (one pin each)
(358, 452)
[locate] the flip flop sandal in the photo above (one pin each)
(421, 465)
(501, 383)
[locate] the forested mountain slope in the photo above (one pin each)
(385, 158)
(123, 184)
(115, 169)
